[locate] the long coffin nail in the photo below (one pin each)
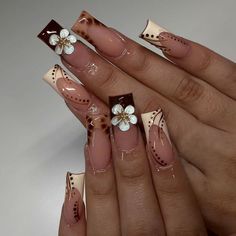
(98, 145)
(169, 43)
(100, 36)
(72, 92)
(158, 140)
(66, 45)
(73, 198)
(124, 121)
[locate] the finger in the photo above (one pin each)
(101, 196)
(178, 204)
(178, 120)
(99, 77)
(198, 60)
(73, 222)
(139, 211)
(199, 98)
(79, 100)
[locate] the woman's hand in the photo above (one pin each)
(196, 93)
(126, 195)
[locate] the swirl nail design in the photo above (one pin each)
(158, 140)
(73, 197)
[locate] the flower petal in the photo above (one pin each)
(54, 39)
(129, 109)
(72, 38)
(115, 120)
(58, 49)
(68, 49)
(124, 126)
(116, 109)
(64, 33)
(133, 119)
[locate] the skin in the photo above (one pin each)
(197, 94)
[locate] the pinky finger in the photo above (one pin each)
(177, 202)
(73, 221)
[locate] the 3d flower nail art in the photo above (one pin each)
(63, 42)
(124, 122)
(58, 38)
(123, 117)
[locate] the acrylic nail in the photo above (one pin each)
(158, 140)
(98, 144)
(73, 92)
(73, 198)
(65, 45)
(124, 121)
(169, 43)
(101, 37)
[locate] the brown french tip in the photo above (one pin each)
(58, 38)
(124, 121)
(51, 28)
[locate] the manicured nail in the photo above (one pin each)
(73, 92)
(158, 140)
(124, 121)
(73, 198)
(98, 145)
(66, 45)
(169, 43)
(100, 36)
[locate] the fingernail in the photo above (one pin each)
(66, 87)
(158, 140)
(100, 36)
(169, 43)
(65, 45)
(124, 121)
(98, 144)
(73, 198)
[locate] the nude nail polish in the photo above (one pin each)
(73, 198)
(124, 121)
(101, 37)
(73, 92)
(98, 144)
(158, 140)
(169, 43)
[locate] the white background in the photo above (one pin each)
(39, 138)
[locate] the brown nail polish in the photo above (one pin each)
(58, 38)
(101, 37)
(124, 121)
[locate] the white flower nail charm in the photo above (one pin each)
(63, 42)
(123, 117)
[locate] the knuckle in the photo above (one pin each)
(188, 90)
(182, 231)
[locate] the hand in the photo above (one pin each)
(198, 102)
(123, 196)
